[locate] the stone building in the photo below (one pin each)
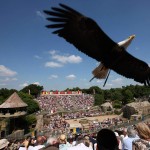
(12, 108)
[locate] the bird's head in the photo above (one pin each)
(131, 37)
(125, 43)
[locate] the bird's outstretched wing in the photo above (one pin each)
(89, 38)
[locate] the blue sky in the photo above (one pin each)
(30, 53)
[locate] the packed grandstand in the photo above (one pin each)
(67, 119)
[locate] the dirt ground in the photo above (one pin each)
(100, 118)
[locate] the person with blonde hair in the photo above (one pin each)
(144, 133)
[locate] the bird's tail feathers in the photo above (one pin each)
(100, 72)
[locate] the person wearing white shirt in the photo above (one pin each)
(80, 145)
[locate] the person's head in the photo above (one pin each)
(131, 132)
(62, 139)
(3, 144)
(87, 141)
(143, 131)
(53, 141)
(80, 139)
(107, 140)
(28, 138)
(70, 140)
(39, 140)
(49, 147)
(124, 131)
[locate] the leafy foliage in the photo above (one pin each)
(28, 99)
(5, 93)
(22, 122)
(33, 89)
(99, 99)
(128, 111)
(119, 96)
(32, 104)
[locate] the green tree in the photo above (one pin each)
(33, 89)
(128, 111)
(99, 99)
(107, 94)
(127, 96)
(32, 104)
(5, 93)
(117, 104)
(117, 95)
(76, 89)
(94, 90)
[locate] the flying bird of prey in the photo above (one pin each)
(101, 72)
(85, 34)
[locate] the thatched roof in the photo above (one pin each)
(14, 101)
(138, 105)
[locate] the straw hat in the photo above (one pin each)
(3, 143)
(62, 137)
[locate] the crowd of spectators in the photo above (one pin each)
(53, 103)
(56, 123)
(48, 103)
(134, 137)
(58, 135)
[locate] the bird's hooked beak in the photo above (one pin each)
(132, 36)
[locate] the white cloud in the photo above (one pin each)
(99, 81)
(149, 64)
(53, 76)
(52, 52)
(14, 79)
(24, 84)
(37, 57)
(67, 59)
(53, 64)
(108, 85)
(40, 14)
(4, 71)
(71, 77)
(8, 79)
(37, 83)
(117, 81)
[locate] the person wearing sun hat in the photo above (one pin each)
(63, 144)
(3, 144)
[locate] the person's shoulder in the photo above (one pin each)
(38, 147)
(22, 148)
(125, 139)
(141, 144)
(49, 147)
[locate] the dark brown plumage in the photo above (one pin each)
(89, 38)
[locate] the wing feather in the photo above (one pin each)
(81, 31)
(89, 38)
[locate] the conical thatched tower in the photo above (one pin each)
(13, 106)
(10, 111)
